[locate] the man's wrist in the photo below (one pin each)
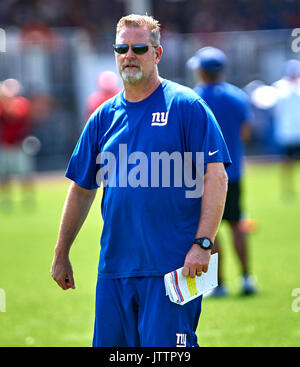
(61, 250)
(204, 242)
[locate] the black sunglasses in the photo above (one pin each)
(138, 48)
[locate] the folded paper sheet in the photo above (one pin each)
(181, 289)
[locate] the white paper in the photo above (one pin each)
(181, 289)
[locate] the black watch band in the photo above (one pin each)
(204, 242)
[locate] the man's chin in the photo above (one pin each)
(131, 78)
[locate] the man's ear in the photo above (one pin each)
(158, 53)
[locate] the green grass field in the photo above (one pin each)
(39, 313)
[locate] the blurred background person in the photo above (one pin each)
(108, 86)
(287, 123)
(15, 128)
(263, 98)
(232, 110)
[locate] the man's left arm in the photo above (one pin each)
(213, 202)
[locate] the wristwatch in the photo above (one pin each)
(204, 242)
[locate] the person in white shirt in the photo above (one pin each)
(287, 121)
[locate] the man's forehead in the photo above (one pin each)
(133, 35)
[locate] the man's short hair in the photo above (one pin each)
(144, 21)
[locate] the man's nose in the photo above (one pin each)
(130, 53)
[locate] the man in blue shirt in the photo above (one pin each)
(232, 110)
(154, 218)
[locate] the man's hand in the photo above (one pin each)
(196, 261)
(76, 208)
(62, 272)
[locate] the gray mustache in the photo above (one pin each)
(130, 64)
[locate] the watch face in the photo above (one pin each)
(206, 243)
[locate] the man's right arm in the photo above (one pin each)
(76, 209)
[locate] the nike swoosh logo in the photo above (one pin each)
(212, 153)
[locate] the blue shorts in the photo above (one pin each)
(135, 312)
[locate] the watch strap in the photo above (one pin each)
(204, 242)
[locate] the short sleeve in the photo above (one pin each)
(205, 135)
(82, 167)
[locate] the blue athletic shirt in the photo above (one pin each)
(231, 107)
(147, 231)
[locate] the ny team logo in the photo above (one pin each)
(180, 340)
(159, 118)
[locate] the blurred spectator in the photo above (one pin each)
(39, 33)
(263, 98)
(215, 16)
(231, 108)
(53, 125)
(189, 16)
(108, 86)
(16, 147)
(287, 121)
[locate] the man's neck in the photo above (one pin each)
(139, 91)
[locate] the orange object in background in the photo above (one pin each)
(248, 225)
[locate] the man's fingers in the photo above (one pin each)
(61, 282)
(189, 270)
(193, 271)
(70, 281)
(65, 282)
(196, 262)
(185, 271)
(205, 268)
(58, 279)
(62, 273)
(198, 273)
